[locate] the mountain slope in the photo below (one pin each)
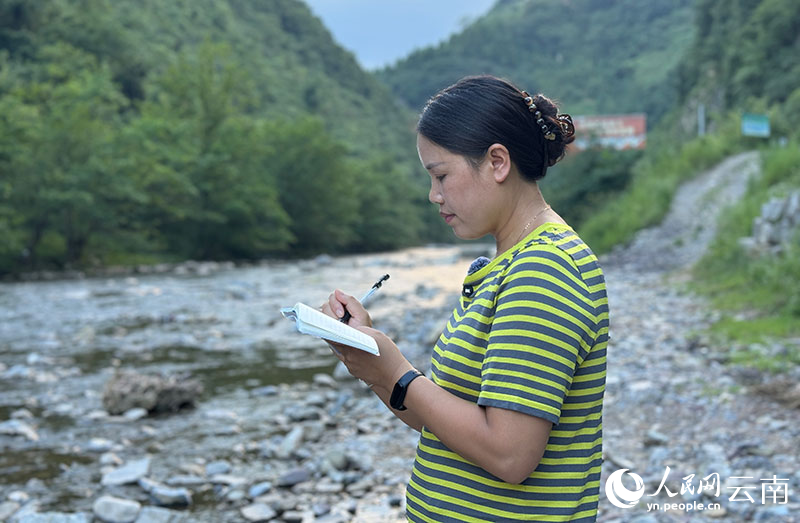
(610, 56)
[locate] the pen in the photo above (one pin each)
(369, 293)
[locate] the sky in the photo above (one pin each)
(379, 32)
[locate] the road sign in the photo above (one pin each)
(755, 125)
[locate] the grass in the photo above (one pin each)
(758, 294)
(655, 179)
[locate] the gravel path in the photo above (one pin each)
(670, 401)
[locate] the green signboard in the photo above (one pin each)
(755, 125)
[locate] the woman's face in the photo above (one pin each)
(465, 195)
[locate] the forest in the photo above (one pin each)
(136, 132)
(143, 132)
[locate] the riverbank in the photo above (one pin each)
(272, 434)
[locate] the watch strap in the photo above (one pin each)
(398, 396)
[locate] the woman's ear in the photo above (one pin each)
(499, 161)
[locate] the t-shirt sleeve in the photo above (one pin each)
(541, 331)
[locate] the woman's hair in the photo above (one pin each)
(478, 111)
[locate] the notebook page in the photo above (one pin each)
(324, 322)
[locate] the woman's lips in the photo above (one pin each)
(447, 217)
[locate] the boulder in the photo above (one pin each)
(128, 390)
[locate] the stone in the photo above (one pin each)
(324, 380)
(186, 480)
(21, 414)
(297, 516)
(235, 495)
(654, 438)
(171, 496)
(290, 443)
(304, 413)
(268, 390)
(109, 458)
(7, 508)
(15, 427)
(155, 393)
(116, 510)
(156, 515)
(259, 489)
(218, 467)
(135, 414)
(223, 414)
(337, 458)
(328, 487)
(99, 445)
(320, 509)
(228, 479)
(51, 517)
(315, 399)
(294, 476)
(18, 371)
(128, 473)
(258, 512)
(18, 496)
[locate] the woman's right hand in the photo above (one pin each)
(338, 302)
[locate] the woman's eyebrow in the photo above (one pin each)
(433, 164)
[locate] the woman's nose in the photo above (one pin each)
(435, 196)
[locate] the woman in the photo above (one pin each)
(510, 418)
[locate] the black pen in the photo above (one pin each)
(369, 293)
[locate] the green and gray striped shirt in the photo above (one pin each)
(529, 334)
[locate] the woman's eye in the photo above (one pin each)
(440, 177)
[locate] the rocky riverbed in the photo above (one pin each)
(280, 434)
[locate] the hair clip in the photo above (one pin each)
(567, 127)
(549, 134)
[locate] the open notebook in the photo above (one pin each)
(314, 323)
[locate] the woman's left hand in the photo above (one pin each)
(377, 371)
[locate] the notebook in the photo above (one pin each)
(314, 323)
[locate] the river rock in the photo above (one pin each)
(328, 487)
(258, 512)
(218, 467)
(267, 390)
(52, 517)
(156, 515)
(166, 496)
(325, 380)
(186, 480)
(21, 414)
(304, 413)
(228, 479)
(135, 414)
(128, 473)
(290, 443)
(19, 496)
(15, 427)
(153, 392)
(99, 445)
(109, 458)
(259, 489)
(171, 496)
(297, 516)
(294, 476)
(116, 510)
(7, 508)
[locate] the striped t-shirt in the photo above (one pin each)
(529, 334)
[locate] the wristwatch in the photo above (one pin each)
(401, 387)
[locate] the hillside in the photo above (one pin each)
(287, 55)
(613, 56)
(143, 131)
